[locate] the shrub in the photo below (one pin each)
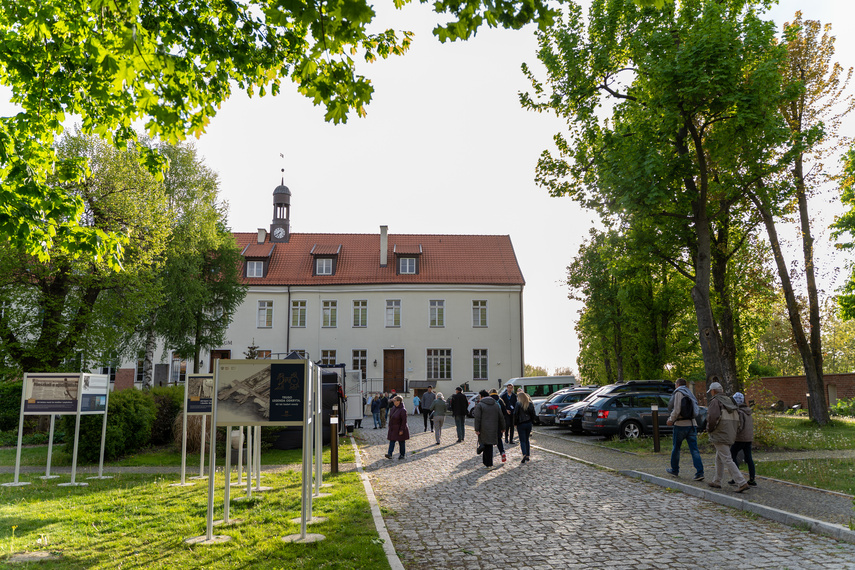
(194, 432)
(766, 432)
(843, 408)
(130, 416)
(169, 401)
(10, 404)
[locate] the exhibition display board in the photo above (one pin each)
(198, 401)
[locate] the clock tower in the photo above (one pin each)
(280, 230)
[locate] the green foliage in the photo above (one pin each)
(532, 370)
(130, 417)
(169, 401)
(10, 438)
(843, 407)
(763, 370)
(118, 63)
(10, 404)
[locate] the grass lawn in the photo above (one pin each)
(139, 521)
(829, 474)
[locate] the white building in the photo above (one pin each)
(408, 310)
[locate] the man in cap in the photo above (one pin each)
(722, 425)
(459, 409)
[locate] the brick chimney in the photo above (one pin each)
(384, 246)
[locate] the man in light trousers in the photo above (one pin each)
(722, 425)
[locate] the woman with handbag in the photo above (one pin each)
(398, 429)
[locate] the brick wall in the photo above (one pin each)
(791, 390)
(124, 379)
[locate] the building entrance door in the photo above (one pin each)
(393, 370)
(215, 354)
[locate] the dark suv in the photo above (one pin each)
(571, 416)
(559, 400)
(630, 415)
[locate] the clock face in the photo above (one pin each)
(279, 233)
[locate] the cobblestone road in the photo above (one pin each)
(444, 510)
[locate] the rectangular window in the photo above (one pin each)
(407, 266)
(265, 314)
(300, 352)
(479, 313)
(479, 364)
(327, 357)
(255, 269)
(437, 313)
(360, 314)
(263, 354)
(393, 312)
(138, 379)
(439, 364)
(298, 314)
(360, 362)
(179, 369)
(323, 266)
(330, 308)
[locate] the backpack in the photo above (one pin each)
(687, 408)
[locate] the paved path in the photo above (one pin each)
(444, 510)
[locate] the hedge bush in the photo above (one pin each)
(10, 404)
(169, 401)
(130, 417)
(843, 408)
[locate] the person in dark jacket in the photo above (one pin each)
(524, 417)
(427, 401)
(398, 429)
(509, 398)
(384, 407)
(489, 425)
(495, 396)
(459, 409)
(375, 411)
(744, 437)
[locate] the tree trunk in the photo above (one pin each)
(817, 406)
(730, 380)
(148, 359)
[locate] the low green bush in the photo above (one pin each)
(843, 408)
(130, 417)
(10, 404)
(169, 401)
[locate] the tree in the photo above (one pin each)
(77, 310)
(170, 66)
(692, 92)
(844, 225)
(532, 370)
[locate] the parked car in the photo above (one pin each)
(537, 403)
(572, 415)
(559, 400)
(473, 398)
(629, 415)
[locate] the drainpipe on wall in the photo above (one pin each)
(288, 324)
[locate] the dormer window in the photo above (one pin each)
(325, 259)
(255, 269)
(407, 266)
(324, 266)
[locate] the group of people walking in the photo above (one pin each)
(730, 427)
(495, 419)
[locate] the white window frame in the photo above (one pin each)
(328, 357)
(436, 313)
(263, 354)
(393, 313)
(438, 363)
(298, 309)
(255, 269)
(264, 319)
(479, 314)
(360, 314)
(407, 265)
(323, 266)
(479, 364)
(359, 361)
(329, 314)
(178, 370)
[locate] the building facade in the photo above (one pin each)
(408, 310)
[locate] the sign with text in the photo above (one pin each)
(260, 392)
(93, 397)
(51, 393)
(200, 389)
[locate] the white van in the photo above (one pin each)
(542, 386)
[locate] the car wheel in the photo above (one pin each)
(630, 430)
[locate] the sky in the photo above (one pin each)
(445, 148)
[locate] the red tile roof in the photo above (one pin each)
(321, 249)
(254, 249)
(452, 259)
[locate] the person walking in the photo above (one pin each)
(427, 401)
(375, 411)
(722, 425)
(459, 409)
(524, 418)
(489, 424)
(437, 412)
(384, 405)
(744, 437)
(398, 429)
(509, 398)
(495, 395)
(685, 428)
(416, 401)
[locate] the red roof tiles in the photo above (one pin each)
(451, 259)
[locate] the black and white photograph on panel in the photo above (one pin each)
(251, 392)
(94, 394)
(51, 393)
(199, 390)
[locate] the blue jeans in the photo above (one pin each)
(460, 422)
(690, 434)
(403, 447)
(524, 433)
(377, 422)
